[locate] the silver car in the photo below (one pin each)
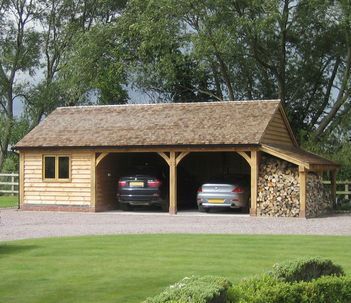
(224, 193)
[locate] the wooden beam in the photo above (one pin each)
(165, 157)
(100, 157)
(323, 167)
(245, 156)
(21, 179)
(333, 186)
(283, 156)
(93, 181)
(254, 180)
(141, 149)
(303, 174)
(172, 183)
(181, 156)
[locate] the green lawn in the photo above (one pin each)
(8, 201)
(129, 268)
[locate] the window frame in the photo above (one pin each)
(57, 179)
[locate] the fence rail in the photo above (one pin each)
(342, 188)
(9, 183)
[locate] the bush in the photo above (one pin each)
(343, 205)
(267, 289)
(305, 269)
(205, 289)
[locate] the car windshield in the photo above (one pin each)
(145, 170)
(229, 179)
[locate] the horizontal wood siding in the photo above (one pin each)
(75, 192)
(277, 132)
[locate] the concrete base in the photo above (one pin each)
(48, 207)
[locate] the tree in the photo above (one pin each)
(93, 51)
(94, 71)
(297, 51)
(19, 53)
(63, 23)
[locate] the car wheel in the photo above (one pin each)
(203, 209)
(125, 206)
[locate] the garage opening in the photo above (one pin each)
(114, 166)
(199, 168)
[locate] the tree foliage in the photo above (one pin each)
(97, 51)
(297, 51)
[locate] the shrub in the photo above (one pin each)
(267, 289)
(305, 269)
(205, 289)
(264, 289)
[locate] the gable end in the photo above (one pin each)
(278, 130)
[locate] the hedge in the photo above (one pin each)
(305, 269)
(267, 289)
(312, 280)
(207, 289)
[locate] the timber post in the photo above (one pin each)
(21, 180)
(303, 173)
(93, 165)
(333, 186)
(254, 164)
(173, 160)
(172, 183)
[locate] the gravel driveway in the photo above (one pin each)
(16, 224)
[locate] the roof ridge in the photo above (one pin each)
(169, 104)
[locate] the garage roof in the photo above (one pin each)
(212, 123)
(298, 156)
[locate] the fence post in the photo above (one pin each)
(333, 186)
(12, 184)
(347, 189)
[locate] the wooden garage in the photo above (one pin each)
(65, 160)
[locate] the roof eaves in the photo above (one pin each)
(179, 147)
(269, 150)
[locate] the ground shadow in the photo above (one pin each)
(9, 249)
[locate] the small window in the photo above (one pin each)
(63, 168)
(49, 168)
(56, 168)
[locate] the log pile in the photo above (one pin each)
(278, 188)
(319, 199)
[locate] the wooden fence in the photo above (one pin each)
(9, 184)
(342, 188)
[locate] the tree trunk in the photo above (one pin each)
(2, 159)
(327, 94)
(341, 99)
(5, 140)
(282, 58)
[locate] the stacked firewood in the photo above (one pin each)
(279, 190)
(318, 197)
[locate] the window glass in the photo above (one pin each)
(63, 168)
(49, 167)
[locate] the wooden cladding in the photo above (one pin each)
(38, 191)
(277, 131)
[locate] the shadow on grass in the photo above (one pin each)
(9, 249)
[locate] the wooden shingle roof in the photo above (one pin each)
(171, 124)
(298, 156)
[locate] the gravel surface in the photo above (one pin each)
(16, 224)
